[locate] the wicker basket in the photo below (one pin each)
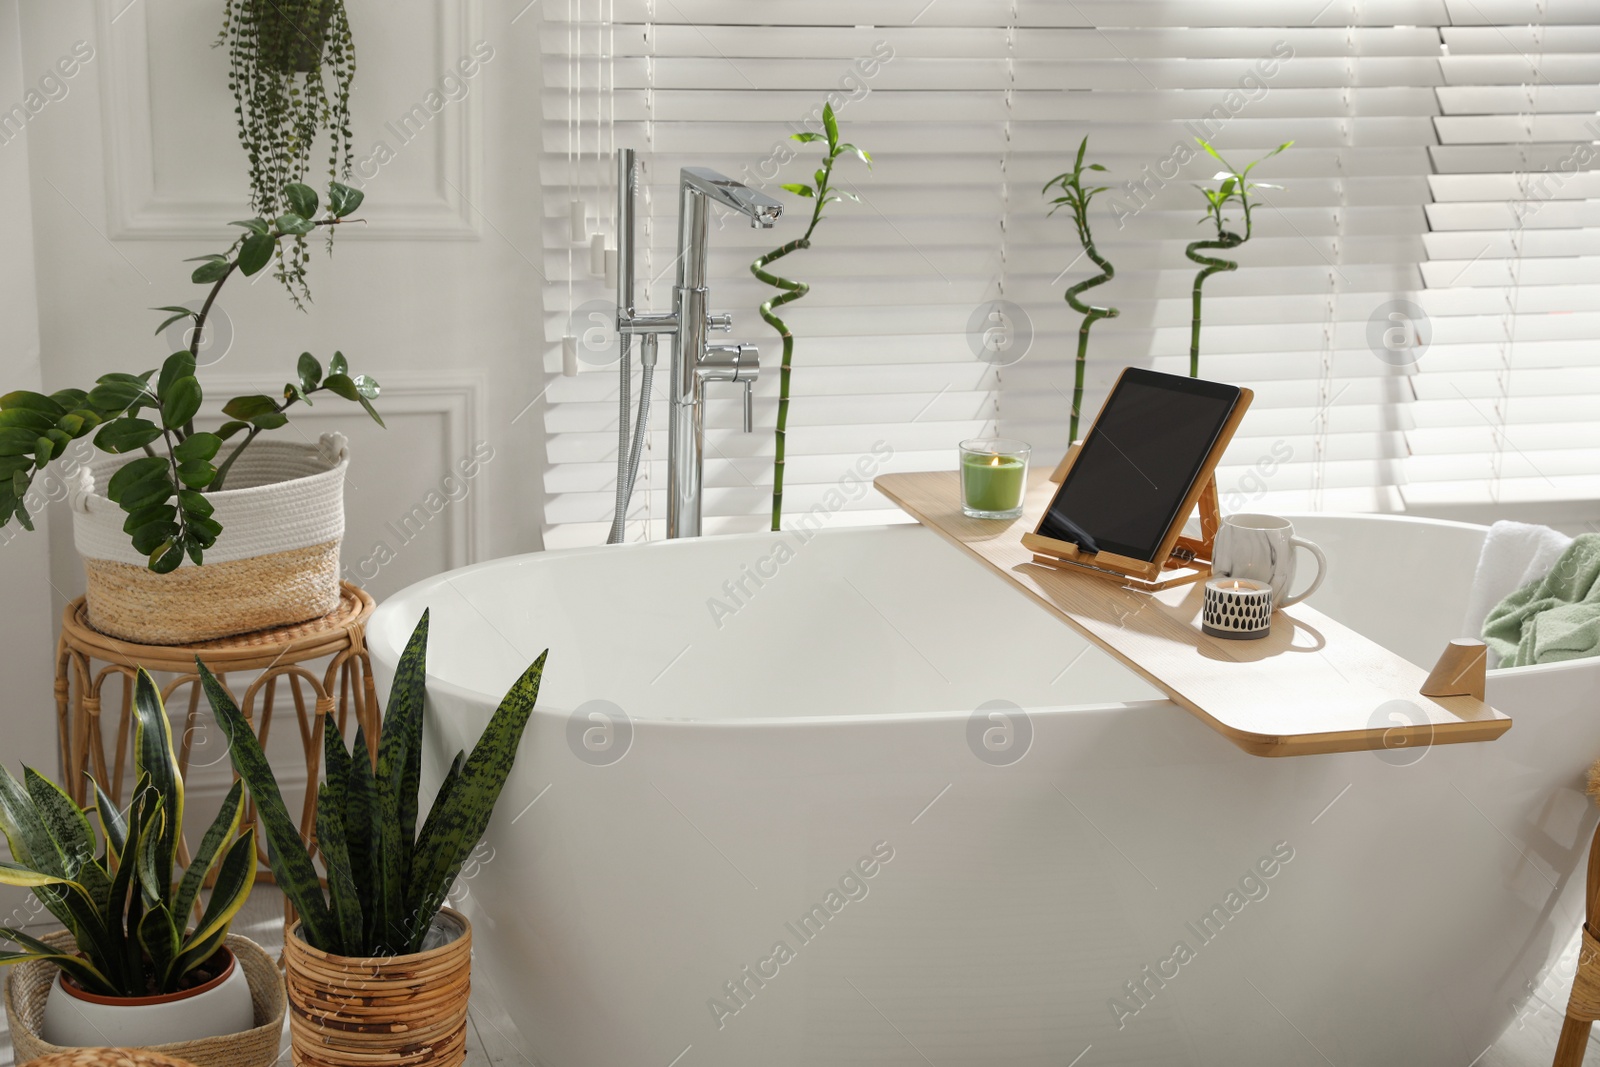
(29, 983)
(397, 1011)
(275, 564)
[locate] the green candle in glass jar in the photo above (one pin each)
(994, 475)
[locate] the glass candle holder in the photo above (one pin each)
(994, 477)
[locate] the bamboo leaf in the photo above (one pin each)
(287, 853)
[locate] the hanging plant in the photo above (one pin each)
(1076, 198)
(1234, 185)
(282, 56)
(822, 194)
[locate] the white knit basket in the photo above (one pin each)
(275, 563)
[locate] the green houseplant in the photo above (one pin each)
(127, 905)
(281, 57)
(821, 193)
(387, 880)
(160, 490)
(1232, 185)
(1076, 199)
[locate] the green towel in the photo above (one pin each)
(1555, 618)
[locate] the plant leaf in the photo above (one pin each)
(158, 936)
(287, 855)
(235, 877)
(255, 253)
(197, 447)
(343, 385)
(210, 271)
(154, 755)
(218, 834)
(180, 403)
(126, 435)
(310, 371)
(248, 407)
(342, 199)
(302, 199)
(82, 971)
(341, 878)
(462, 818)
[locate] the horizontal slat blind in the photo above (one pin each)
(1419, 125)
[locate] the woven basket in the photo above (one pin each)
(275, 564)
(108, 1057)
(398, 1011)
(29, 983)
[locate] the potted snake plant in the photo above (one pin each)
(378, 968)
(131, 968)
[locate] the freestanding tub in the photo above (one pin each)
(780, 804)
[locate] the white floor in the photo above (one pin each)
(493, 1040)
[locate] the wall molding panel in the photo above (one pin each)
(138, 208)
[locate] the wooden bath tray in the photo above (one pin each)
(1312, 686)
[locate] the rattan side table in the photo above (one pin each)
(86, 659)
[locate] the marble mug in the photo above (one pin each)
(1262, 547)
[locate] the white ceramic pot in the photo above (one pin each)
(220, 1007)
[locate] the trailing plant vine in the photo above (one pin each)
(1234, 185)
(1076, 198)
(822, 193)
(281, 57)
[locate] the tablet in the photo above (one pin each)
(1135, 480)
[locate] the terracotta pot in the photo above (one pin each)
(399, 1011)
(222, 1006)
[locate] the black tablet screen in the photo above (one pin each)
(1139, 461)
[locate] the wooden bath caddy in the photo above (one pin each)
(1312, 686)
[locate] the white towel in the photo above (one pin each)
(1514, 555)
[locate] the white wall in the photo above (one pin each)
(26, 625)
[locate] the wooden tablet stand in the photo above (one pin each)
(1179, 560)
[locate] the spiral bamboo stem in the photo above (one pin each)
(793, 291)
(1091, 315)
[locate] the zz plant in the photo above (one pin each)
(821, 193)
(127, 907)
(164, 492)
(386, 880)
(281, 57)
(1076, 199)
(1233, 185)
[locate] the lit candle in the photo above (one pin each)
(994, 475)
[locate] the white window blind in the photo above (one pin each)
(1414, 123)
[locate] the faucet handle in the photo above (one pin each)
(749, 405)
(723, 322)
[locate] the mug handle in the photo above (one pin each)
(1322, 572)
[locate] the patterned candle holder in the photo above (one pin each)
(1237, 609)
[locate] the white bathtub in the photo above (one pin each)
(824, 719)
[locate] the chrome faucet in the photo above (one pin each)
(694, 361)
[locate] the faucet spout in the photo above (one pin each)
(761, 209)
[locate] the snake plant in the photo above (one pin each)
(1234, 184)
(822, 193)
(126, 912)
(386, 881)
(1076, 198)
